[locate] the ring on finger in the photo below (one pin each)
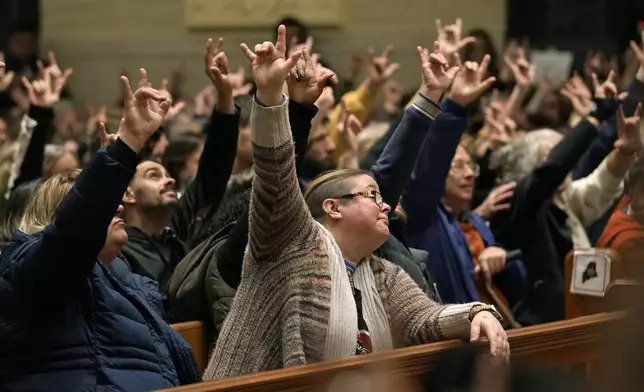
(299, 75)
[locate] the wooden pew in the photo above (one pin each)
(618, 291)
(571, 344)
(195, 334)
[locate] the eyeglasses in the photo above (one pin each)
(459, 167)
(373, 195)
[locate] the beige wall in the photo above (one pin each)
(99, 38)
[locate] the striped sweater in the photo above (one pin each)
(281, 312)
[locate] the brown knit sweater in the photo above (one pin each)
(280, 314)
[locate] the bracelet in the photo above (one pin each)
(426, 105)
(476, 309)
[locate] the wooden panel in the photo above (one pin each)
(563, 344)
(618, 293)
(208, 14)
(194, 333)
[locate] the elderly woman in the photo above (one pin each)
(73, 318)
(310, 289)
(549, 211)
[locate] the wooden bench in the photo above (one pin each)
(194, 333)
(573, 344)
(618, 292)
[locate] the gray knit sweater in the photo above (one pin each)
(280, 314)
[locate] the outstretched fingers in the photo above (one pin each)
(249, 53)
(128, 97)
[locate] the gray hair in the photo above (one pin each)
(523, 154)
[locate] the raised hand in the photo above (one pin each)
(108, 139)
(143, 112)
(5, 77)
(58, 78)
(326, 100)
(44, 92)
(295, 47)
(348, 127)
(606, 90)
(94, 117)
(628, 129)
(305, 83)
(204, 101)
(468, 85)
(436, 73)
(449, 37)
(579, 95)
(497, 200)
(382, 68)
(522, 70)
(176, 108)
(218, 70)
(271, 67)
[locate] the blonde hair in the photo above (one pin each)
(42, 206)
(328, 186)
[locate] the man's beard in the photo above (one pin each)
(312, 168)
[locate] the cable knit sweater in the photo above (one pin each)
(281, 314)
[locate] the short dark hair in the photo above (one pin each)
(290, 21)
(177, 152)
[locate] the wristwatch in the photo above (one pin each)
(476, 309)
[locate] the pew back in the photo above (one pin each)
(195, 334)
(617, 292)
(569, 344)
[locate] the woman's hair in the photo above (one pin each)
(40, 210)
(329, 185)
(53, 152)
(14, 207)
(177, 153)
(522, 155)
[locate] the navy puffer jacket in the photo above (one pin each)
(68, 322)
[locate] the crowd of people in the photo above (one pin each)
(303, 215)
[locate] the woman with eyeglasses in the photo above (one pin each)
(311, 290)
(464, 256)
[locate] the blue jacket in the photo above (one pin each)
(429, 226)
(68, 322)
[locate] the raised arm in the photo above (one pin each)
(54, 266)
(278, 215)
(425, 188)
(591, 196)
(603, 143)
(301, 111)
(43, 95)
(207, 190)
(540, 185)
(395, 164)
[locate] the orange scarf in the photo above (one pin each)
(477, 246)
